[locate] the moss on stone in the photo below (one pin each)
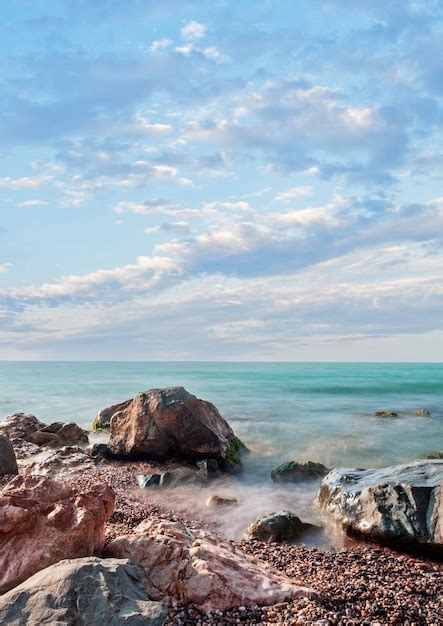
(97, 427)
(235, 448)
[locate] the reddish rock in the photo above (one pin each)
(162, 423)
(43, 521)
(196, 567)
(20, 427)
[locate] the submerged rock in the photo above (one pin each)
(8, 462)
(385, 414)
(84, 592)
(196, 567)
(438, 454)
(172, 423)
(283, 526)
(221, 501)
(402, 504)
(43, 521)
(24, 426)
(292, 472)
(422, 412)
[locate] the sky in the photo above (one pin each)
(221, 181)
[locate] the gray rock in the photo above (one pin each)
(283, 526)
(83, 592)
(172, 478)
(28, 427)
(24, 449)
(64, 461)
(293, 472)
(8, 462)
(402, 504)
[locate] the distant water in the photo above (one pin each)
(282, 411)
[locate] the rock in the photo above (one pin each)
(219, 501)
(401, 505)
(278, 527)
(55, 435)
(8, 462)
(385, 414)
(208, 469)
(422, 412)
(99, 451)
(66, 461)
(103, 419)
(84, 592)
(172, 478)
(292, 472)
(199, 568)
(43, 521)
(24, 449)
(164, 423)
(438, 454)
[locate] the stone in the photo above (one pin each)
(283, 526)
(27, 427)
(220, 501)
(43, 521)
(292, 472)
(437, 454)
(99, 451)
(103, 419)
(197, 567)
(385, 414)
(422, 412)
(8, 462)
(85, 592)
(24, 449)
(172, 478)
(400, 505)
(208, 469)
(172, 423)
(64, 461)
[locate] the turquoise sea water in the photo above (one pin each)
(282, 411)
(302, 411)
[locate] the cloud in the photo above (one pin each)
(292, 194)
(26, 182)
(33, 202)
(160, 44)
(4, 267)
(193, 30)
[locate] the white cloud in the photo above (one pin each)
(292, 194)
(193, 30)
(35, 202)
(160, 44)
(305, 217)
(26, 182)
(4, 267)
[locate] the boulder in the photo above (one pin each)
(164, 423)
(84, 592)
(64, 461)
(8, 462)
(437, 454)
(400, 505)
(385, 414)
(27, 427)
(422, 412)
(199, 568)
(103, 418)
(99, 451)
(278, 527)
(43, 521)
(292, 472)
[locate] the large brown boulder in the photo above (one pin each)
(162, 423)
(196, 567)
(8, 462)
(21, 427)
(83, 592)
(43, 521)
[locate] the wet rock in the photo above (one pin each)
(64, 462)
(208, 469)
(85, 592)
(27, 427)
(8, 462)
(402, 504)
(199, 568)
(43, 521)
(422, 412)
(99, 451)
(172, 423)
(220, 501)
(283, 526)
(438, 454)
(385, 414)
(292, 472)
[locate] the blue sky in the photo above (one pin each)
(242, 180)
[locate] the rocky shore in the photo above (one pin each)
(101, 519)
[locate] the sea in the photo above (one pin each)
(321, 412)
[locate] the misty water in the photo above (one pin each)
(282, 411)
